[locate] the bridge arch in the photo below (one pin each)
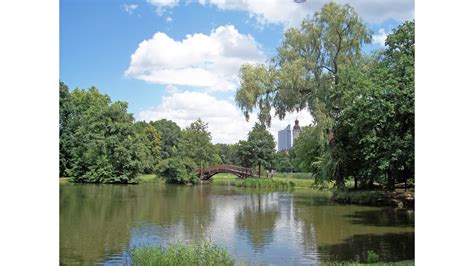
(239, 171)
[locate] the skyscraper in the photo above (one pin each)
(284, 139)
(296, 131)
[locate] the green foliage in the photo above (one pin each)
(282, 162)
(178, 170)
(266, 183)
(306, 73)
(170, 134)
(375, 133)
(258, 149)
(372, 257)
(228, 153)
(196, 145)
(181, 254)
(98, 141)
(150, 137)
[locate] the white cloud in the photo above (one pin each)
(162, 5)
(380, 37)
(290, 13)
(171, 89)
(226, 122)
(209, 61)
(169, 19)
(129, 8)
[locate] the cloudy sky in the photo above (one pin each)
(179, 59)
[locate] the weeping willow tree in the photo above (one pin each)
(306, 74)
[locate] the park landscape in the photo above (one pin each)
(152, 192)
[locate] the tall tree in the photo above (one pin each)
(101, 139)
(170, 134)
(196, 145)
(258, 149)
(376, 131)
(306, 72)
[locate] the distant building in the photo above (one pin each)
(296, 131)
(284, 139)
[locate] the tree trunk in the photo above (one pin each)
(259, 169)
(355, 183)
(391, 178)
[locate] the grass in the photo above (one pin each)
(398, 263)
(294, 175)
(275, 182)
(64, 180)
(266, 183)
(182, 254)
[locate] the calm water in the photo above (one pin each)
(99, 223)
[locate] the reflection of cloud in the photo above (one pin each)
(258, 220)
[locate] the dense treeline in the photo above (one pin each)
(362, 105)
(101, 143)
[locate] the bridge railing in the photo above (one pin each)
(225, 167)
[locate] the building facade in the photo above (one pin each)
(284, 139)
(296, 131)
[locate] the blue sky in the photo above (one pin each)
(186, 54)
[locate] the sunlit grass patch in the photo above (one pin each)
(204, 253)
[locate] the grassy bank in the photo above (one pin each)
(398, 263)
(283, 182)
(266, 183)
(376, 198)
(181, 254)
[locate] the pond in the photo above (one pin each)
(99, 223)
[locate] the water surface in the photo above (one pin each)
(99, 223)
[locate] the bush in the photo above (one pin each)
(180, 254)
(372, 257)
(178, 170)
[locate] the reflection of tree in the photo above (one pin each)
(96, 220)
(336, 226)
(258, 220)
(390, 247)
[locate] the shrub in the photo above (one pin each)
(178, 170)
(180, 254)
(372, 257)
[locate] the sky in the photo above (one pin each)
(179, 59)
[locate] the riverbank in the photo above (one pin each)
(398, 199)
(292, 182)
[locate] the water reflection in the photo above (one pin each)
(99, 223)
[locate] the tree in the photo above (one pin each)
(170, 134)
(196, 145)
(376, 131)
(258, 149)
(283, 162)
(228, 153)
(150, 137)
(65, 110)
(306, 72)
(99, 137)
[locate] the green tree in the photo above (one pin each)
(149, 136)
(258, 149)
(306, 72)
(228, 153)
(65, 111)
(170, 135)
(283, 162)
(376, 131)
(196, 145)
(101, 139)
